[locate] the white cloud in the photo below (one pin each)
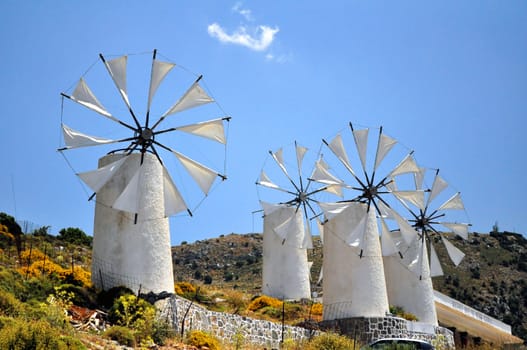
(261, 39)
(246, 13)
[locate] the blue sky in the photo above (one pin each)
(447, 79)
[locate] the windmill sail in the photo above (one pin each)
(212, 130)
(195, 96)
(85, 97)
(117, 70)
(96, 179)
(159, 71)
(76, 139)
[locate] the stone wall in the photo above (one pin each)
(235, 329)
(366, 329)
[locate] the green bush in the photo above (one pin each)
(201, 339)
(131, 311)
(122, 335)
(9, 305)
(330, 341)
(18, 334)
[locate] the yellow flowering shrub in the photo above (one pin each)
(317, 309)
(42, 264)
(184, 288)
(264, 301)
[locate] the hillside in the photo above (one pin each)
(492, 277)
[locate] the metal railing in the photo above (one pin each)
(467, 310)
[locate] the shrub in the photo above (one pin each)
(317, 309)
(18, 334)
(130, 311)
(9, 305)
(185, 289)
(201, 339)
(122, 335)
(264, 301)
(330, 341)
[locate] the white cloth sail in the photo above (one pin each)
(300, 152)
(417, 198)
(159, 71)
(459, 229)
(337, 147)
(437, 187)
(212, 130)
(361, 140)
(406, 166)
(193, 97)
(174, 202)
(454, 253)
(203, 176)
(384, 146)
(85, 97)
(453, 202)
(117, 70)
(76, 139)
(96, 179)
(435, 265)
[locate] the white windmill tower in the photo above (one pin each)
(287, 226)
(354, 281)
(409, 276)
(135, 194)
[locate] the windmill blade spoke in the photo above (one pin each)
(278, 158)
(454, 253)
(117, 70)
(76, 139)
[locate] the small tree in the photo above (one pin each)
(75, 235)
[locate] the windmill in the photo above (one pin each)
(134, 191)
(354, 282)
(287, 224)
(409, 280)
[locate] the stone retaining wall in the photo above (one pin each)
(235, 329)
(367, 329)
(242, 330)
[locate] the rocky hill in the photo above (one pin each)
(492, 277)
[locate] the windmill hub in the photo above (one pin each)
(147, 134)
(370, 192)
(302, 197)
